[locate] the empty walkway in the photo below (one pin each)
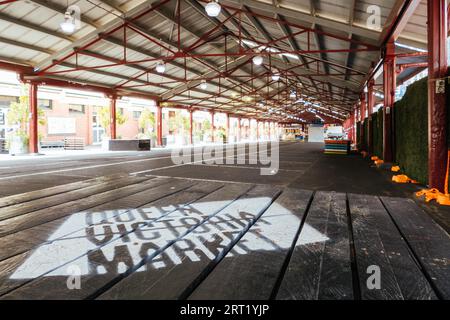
(161, 231)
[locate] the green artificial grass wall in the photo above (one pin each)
(358, 135)
(411, 131)
(377, 133)
(365, 134)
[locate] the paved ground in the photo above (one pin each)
(302, 165)
(136, 225)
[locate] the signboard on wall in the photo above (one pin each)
(59, 125)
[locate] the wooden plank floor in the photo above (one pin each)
(147, 237)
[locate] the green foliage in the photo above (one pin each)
(206, 128)
(365, 134)
(19, 115)
(105, 118)
(411, 131)
(221, 133)
(147, 123)
(358, 135)
(179, 123)
(206, 125)
(377, 133)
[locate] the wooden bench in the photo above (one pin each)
(52, 144)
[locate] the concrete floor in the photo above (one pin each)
(302, 165)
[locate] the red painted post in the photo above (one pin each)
(370, 106)
(159, 125)
(239, 130)
(191, 126)
(389, 84)
(228, 128)
(437, 115)
(33, 124)
(269, 130)
(112, 119)
(212, 126)
(362, 117)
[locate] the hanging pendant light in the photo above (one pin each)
(203, 85)
(258, 60)
(293, 94)
(160, 67)
(213, 8)
(68, 25)
(275, 77)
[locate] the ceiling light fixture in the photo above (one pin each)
(160, 67)
(203, 85)
(293, 94)
(275, 77)
(68, 25)
(257, 60)
(213, 9)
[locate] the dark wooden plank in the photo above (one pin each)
(429, 242)
(150, 233)
(320, 265)
(139, 195)
(21, 269)
(54, 200)
(38, 194)
(174, 272)
(378, 242)
(251, 269)
(118, 188)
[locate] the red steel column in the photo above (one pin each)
(33, 124)
(212, 126)
(227, 132)
(389, 84)
(191, 126)
(362, 117)
(159, 125)
(112, 119)
(353, 122)
(370, 105)
(239, 130)
(437, 115)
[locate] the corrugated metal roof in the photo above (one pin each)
(30, 34)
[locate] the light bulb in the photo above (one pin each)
(160, 67)
(275, 77)
(213, 9)
(257, 60)
(203, 85)
(67, 26)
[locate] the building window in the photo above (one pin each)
(45, 104)
(136, 115)
(76, 108)
(5, 101)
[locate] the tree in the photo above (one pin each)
(19, 115)
(147, 123)
(206, 127)
(104, 118)
(179, 122)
